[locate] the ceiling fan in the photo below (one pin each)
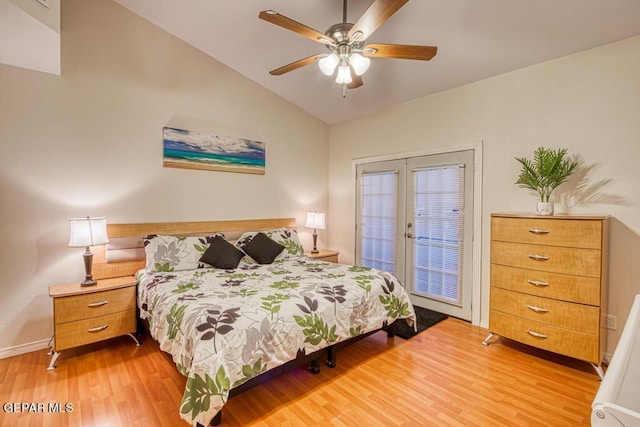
(348, 53)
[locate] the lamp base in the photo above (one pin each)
(88, 261)
(315, 242)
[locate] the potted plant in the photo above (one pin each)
(545, 173)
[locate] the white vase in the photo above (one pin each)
(544, 208)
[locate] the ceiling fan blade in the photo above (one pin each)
(374, 17)
(295, 65)
(296, 27)
(401, 51)
(356, 80)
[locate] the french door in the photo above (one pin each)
(414, 219)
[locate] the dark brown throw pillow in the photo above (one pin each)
(222, 254)
(263, 249)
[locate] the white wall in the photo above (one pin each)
(588, 103)
(89, 142)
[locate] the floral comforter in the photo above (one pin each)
(223, 327)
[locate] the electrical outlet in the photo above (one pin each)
(610, 322)
(45, 3)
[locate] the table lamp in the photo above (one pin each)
(86, 232)
(315, 220)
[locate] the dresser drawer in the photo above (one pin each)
(73, 334)
(580, 289)
(576, 317)
(581, 262)
(558, 340)
(551, 232)
(84, 306)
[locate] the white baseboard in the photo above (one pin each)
(23, 348)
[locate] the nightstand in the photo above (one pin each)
(87, 314)
(324, 255)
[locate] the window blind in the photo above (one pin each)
(378, 218)
(437, 213)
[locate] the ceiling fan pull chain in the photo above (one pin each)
(344, 90)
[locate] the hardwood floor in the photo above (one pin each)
(441, 377)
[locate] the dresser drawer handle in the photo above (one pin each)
(538, 257)
(537, 309)
(97, 304)
(538, 231)
(98, 328)
(537, 283)
(537, 334)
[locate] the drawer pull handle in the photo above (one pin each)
(537, 283)
(537, 309)
(97, 304)
(538, 257)
(537, 334)
(98, 328)
(538, 231)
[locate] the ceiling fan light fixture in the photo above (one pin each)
(328, 64)
(344, 74)
(359, 63)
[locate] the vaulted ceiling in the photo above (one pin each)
(476, 39)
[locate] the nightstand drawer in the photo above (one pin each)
(566, 315)
(332, 258)
(73, 334)
(565, 287)
(77, 307)
(577, 261)
(326, 255)
(570, 343)
(551, 232)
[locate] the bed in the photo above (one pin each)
(227, 327)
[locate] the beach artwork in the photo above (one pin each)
(192, 150)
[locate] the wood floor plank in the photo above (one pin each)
(441, 377)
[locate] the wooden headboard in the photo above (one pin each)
(103, 269)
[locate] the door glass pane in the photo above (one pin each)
(437, 218)
(378, 219)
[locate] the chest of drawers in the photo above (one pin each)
(549, 283)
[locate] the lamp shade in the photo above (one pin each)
(315, 220)
(359, 63)
(328, 64)
(344, 75)
(87, 232)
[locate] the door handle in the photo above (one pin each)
(410, 236)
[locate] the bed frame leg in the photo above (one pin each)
(314, 366)
(331, 357)
(215, 421)
(390, 331)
